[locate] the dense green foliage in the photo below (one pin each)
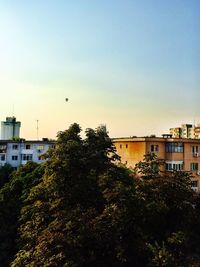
(5, 174)
(81, 209)
(12, 195)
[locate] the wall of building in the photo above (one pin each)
(190, 156)
(130, 152)
(185, 154)
(20, 152)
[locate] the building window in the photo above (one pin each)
(14, 157)
(40, 147)
(27, 146)
(27, 157)
(120, 146)
(126, 146)
(174, 166)
(194, 166)
(194, 150)
(168, 166)
(2, 157)
(154, 148)
(174, 147)
(14, 147)
(3, 148)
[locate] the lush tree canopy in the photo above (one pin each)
(12, 195)
(5, 174)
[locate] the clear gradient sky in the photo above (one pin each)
(133, 65)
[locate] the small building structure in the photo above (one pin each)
(10, 129)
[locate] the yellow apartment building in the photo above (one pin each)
(178, 153)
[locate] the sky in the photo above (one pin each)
(133, 65)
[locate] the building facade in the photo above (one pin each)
(18, 153)
(10, 129)
(197, 131)
(178, 153)
(186, 131)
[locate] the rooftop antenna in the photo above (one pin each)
(13, 110)
(37, 128)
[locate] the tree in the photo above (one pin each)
(12, 195)
(169, 212)
(55, 218)
(5, 172)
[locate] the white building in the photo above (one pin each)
(10, 129)
(18, 153)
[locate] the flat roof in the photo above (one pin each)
(155, 139)
(28, 141)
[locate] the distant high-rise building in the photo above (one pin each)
(197, 131)
(185, 131)
(10, 129)
(175, 132)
